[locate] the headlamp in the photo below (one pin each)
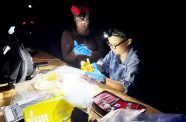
(114, 32)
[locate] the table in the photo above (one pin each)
(53, 63)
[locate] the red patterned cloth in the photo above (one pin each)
(76, 10)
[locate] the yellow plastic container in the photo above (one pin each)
(52, 110)
(51, 76)
(86, 66)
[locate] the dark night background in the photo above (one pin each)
(156, 27)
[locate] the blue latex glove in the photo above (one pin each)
(96, 74)
(81, 49)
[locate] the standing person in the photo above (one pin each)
(121, 63)
(81, 41)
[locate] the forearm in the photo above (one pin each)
(69, 57)
(115, 85)
(74, 60)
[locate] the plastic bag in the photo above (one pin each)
(27, 96)
(14, 112)
(128, 115)
(121, 115)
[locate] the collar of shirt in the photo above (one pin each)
(131, 57)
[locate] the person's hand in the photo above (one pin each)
(81, 49)
(96, 74)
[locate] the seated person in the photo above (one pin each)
(81, 42)
(121, 63)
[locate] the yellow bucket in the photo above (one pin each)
(52, 110)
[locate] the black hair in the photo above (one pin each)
(82, 15)
(117, 32)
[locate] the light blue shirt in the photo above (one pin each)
(121, 71)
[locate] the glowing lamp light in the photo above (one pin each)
(31, 22)
(83, 21)
(29, 6)
(24, 23)
(11, 30)
(105, 35)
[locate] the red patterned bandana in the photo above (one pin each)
(77, 10)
